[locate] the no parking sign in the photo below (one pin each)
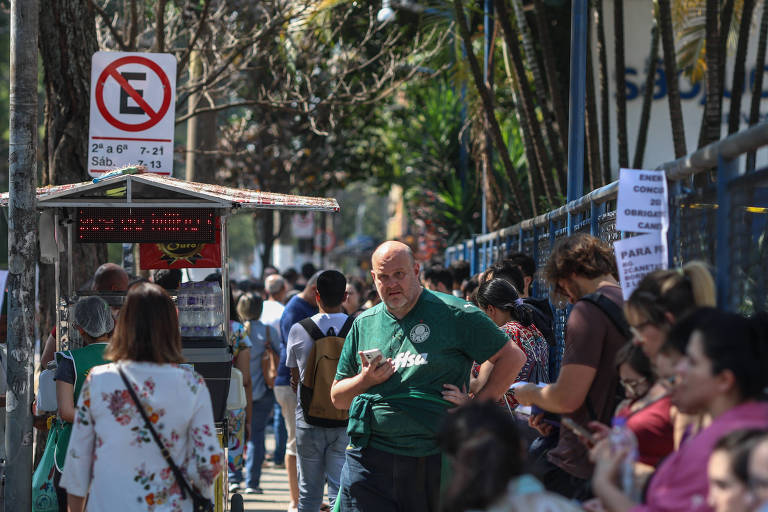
(132, 111)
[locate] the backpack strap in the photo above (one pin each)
(312, 329)
(611, 310)
(346, 327)
(616, 316)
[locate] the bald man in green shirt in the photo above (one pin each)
(427, 339)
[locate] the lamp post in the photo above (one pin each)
(488, 78)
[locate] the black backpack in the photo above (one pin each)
(543, 319)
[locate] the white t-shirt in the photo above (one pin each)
(271, 314)
(300, 344)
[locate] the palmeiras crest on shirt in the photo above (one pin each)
(419, 333)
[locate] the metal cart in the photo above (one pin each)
(153, 209)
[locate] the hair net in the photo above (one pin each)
(94, 316)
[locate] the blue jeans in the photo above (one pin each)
(255, 455)
(320, 459)
(281, 436)
(376, 481)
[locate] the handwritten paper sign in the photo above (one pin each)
(642, 201)
(639, 255)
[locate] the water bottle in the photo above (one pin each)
(622, 438)
(215, 310)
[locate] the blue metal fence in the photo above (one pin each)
(724, 223)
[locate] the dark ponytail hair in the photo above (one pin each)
(501, 294)
(487, 453)
(739, 344)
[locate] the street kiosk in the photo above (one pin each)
(178, 224)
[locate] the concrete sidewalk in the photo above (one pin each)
(274, 483)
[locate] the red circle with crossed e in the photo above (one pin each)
(111, 71)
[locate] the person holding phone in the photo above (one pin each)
(585, 390)
(395, 403)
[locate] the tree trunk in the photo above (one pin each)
(726, 17)
(550, 69)
(645, 114)
(734, 116)
(621, 85)
(264, 228)
(201, 130)
(605, 98)
(529, 110)
(67, 42)
(477, 76)
(592, 129)
(670, 69)
(757, 87)
(540, 88)
(710, 123)
(535, 187)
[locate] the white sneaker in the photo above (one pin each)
(293, 509)
(233, 487)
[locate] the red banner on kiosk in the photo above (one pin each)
(181, 255)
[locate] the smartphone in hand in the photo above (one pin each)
(578, 430)
(372, 354)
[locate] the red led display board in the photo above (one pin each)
(156, 225)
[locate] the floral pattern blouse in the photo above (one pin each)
(536, 350)
(236, 417)
(112, 456)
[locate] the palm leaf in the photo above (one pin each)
(689, 21)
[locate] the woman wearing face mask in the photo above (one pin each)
(728, 471)
(723, 375)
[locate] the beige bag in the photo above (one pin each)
(269, 362)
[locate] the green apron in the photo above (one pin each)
(83, 359)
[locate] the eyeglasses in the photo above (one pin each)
(632, 383)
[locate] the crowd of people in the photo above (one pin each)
(687, 379)
(432, 389)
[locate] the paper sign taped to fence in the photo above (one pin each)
(642, 205)
(638, 256)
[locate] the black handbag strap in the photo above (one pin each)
(183, 485)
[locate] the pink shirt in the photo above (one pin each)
(680, 482)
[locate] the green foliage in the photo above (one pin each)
(241, 236)
(419, 136)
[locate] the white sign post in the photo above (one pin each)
(133, 111)
(642, 207)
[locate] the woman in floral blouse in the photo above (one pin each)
(501, 302)
(112, 456)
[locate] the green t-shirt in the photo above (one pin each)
(434, 344)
